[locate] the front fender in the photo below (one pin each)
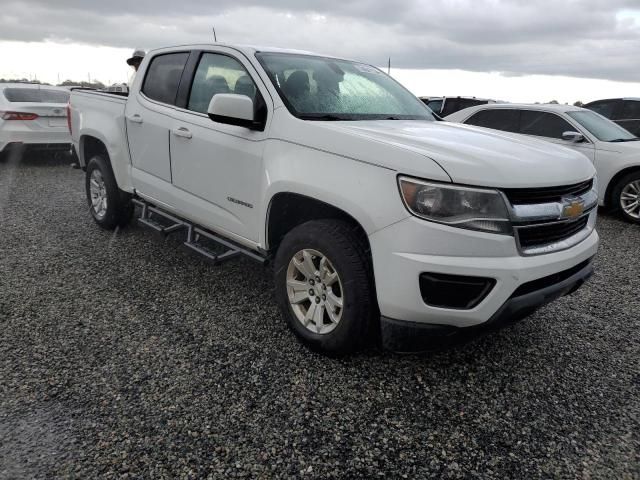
(368, 193)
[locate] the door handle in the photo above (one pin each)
(182, 132)
(135, 118)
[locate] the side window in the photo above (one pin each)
(604, 108)
(435, 105)
(630, 110)
(218, 73)
(163, 77)
(543, 124)
(500, 119)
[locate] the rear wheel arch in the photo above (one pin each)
(91, 146)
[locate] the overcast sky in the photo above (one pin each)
(547, 48)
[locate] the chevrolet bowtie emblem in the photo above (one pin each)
(573, 209)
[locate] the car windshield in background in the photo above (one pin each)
(36, 95)
(318, 88)
(601, 128)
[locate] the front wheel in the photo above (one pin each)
(626, 197)
(110, 207)
(323, 286)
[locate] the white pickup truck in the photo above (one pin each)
(379, 218)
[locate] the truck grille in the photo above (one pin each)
(548, 233)
(521, 196)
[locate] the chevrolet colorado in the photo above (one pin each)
(377, 216)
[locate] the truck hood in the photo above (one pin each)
(473, 155)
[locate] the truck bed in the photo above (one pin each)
(101, 115)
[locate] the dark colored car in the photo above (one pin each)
(444, 106)
(624, 111)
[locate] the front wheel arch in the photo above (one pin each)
(609, 201)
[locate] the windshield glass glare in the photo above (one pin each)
(329, 89)
(601, 128)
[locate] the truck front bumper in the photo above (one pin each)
(405, 251)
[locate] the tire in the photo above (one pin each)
(345, 255)
(116, 208)
(629, 186)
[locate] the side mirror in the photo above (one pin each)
(573, 137)
(233, 109)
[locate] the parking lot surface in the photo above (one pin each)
(124, 356)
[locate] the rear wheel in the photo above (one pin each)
(626, 197)
(110, 207)
(323, 286)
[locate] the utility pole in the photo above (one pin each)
(389, 67)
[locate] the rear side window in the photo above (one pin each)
(604, 107)
(500, 119)
(434, 105)
(163, 77)
(543, 124)
(452, 105)
(36, 95)
(630, 110)
(219, 74)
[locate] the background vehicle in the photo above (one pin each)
(33, 116)
(117, 88)
(444, 106)
(614, 151)
(624, 111)
(375, 216)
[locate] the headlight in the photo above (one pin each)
(464, 207)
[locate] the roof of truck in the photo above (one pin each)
(247, 49)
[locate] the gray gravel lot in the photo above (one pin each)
(122, 355)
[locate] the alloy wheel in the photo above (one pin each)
(98, 193)
(315, 291)
(630, 199)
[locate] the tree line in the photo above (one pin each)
(66, 83)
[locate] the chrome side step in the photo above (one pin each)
(198, 239)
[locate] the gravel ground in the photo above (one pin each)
(122, 355)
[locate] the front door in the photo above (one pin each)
(219, 165)
(552, 126)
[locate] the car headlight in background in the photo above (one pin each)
(457, 206)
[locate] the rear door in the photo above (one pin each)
(149, 119)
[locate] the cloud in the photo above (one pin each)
(585, 38)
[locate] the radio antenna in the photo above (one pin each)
(215, 38)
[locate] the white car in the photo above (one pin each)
(613, 150)
(33, 116)
(377, 216)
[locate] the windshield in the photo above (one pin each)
(318, 88)
(601, 128)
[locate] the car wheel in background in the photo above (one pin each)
(109, 206)
(323, 286)
(626, 197)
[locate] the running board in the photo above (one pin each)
(196, 236)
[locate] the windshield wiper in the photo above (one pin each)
(325, 117)
(618, 140)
